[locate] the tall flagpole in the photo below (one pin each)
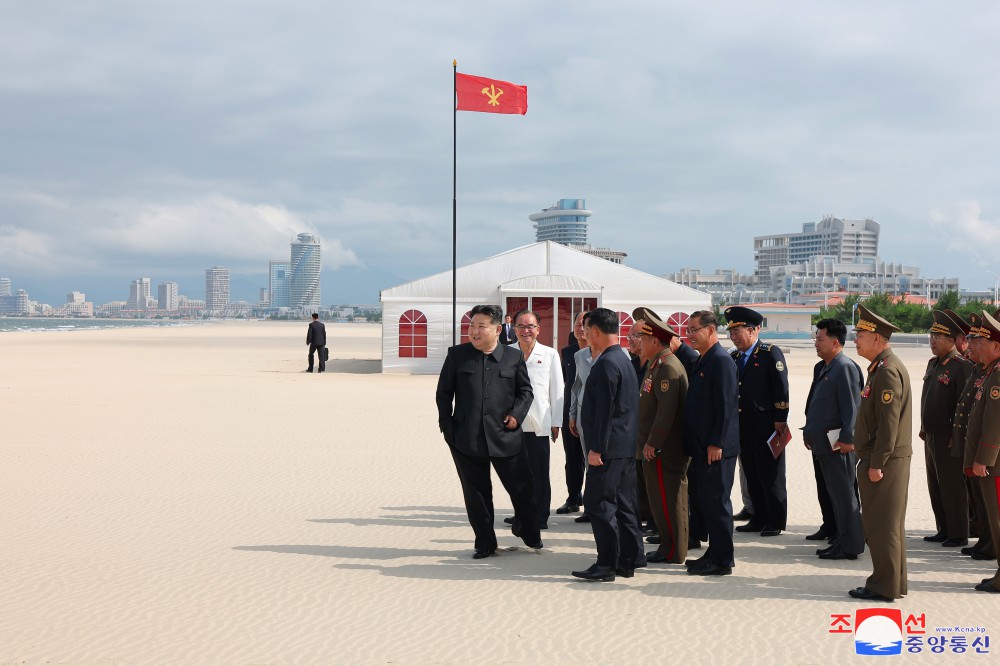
(454, 200)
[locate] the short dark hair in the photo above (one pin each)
(604, 320)
(525, 311)
(705, 318)
(315, 315)
(834, 328)
(492, 311)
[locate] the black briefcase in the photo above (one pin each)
(324, 354)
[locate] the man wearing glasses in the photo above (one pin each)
(483, 396)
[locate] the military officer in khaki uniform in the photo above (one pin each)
(882, 442)
(944, 380)
(982, 439)
(660, 444)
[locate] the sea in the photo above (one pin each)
(60, 325)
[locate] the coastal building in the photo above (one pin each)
(216, 290)
(166, 296)
(16, 303)
(5, 287)
(565, 222)
(76, 305)
(138, 294)
(554, 280)
(304, 290)
(279, 273)
(845, 240)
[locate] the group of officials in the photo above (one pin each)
(659, 433)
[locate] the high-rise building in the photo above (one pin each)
(563, 222)
(138, 294)
(845, 241)
(279, 272)
(5, 287)
(304, 288)
(166, 296)
(216, 289)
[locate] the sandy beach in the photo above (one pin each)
(190, 496)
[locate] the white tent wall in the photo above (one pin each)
(554, 270)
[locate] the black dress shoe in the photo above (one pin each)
(837, 554)
(653, 539)
(708, 568)
(819, 535)
(582, 519)
(743, 515)
(968, 550)
(694, 544)
(480, 553)
(509, 520)
(537, 546)
(987, 587)
(749, 527)
(936, 538)
(868, 595)
(770, 533)
(568, 508)
(624, 573)
(954, 543)
(820, 551)
(980, 555)
(656, 557)
(595, 572)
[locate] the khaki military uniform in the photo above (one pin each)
(882, 440)
(944, 380)
(977, 506)
(982, 445)
(661, 426)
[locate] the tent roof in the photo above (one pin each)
(548, 266)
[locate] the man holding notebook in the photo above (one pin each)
(831, 412)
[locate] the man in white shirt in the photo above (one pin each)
(545, 416)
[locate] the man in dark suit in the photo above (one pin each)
(712, 439)
(316, 339)
(508, 335)
(576, 464)
(763, 411)
(608, 420)
(831, 412)
(483, 395)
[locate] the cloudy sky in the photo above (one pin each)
(160, 138)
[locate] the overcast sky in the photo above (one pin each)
(160, 138)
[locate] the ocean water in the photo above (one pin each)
(53, 324)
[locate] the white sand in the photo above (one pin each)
(190, 496)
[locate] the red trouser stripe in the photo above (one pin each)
(666, 512)
(996, 485)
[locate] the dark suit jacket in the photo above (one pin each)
(507, 334)
(484, 389)
(316, 335)
(833, 402)
(569, 376)
(610, 411)
(763, 386)
(711, 411)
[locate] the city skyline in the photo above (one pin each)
(686, 129)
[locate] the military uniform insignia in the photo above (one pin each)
(866, 392)
(995, 393)
(647, 385)
(944, 379)
(665, 385)
(886, 396)
(779, 366)
(781, 405)
(979, 395)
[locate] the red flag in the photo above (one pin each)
(476, 93)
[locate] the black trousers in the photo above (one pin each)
(312, 351)
(714, 487)
(766, 481)
(477, 488)
(576, 465)
(610, 500)
(537, 451)
(841, 478)
(825, 504)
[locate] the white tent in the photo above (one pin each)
(554, 280)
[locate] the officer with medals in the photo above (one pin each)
(983, 548)
(763, 410)
(982, 439)
(882, 440)
(660, 444)
(944, 379)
